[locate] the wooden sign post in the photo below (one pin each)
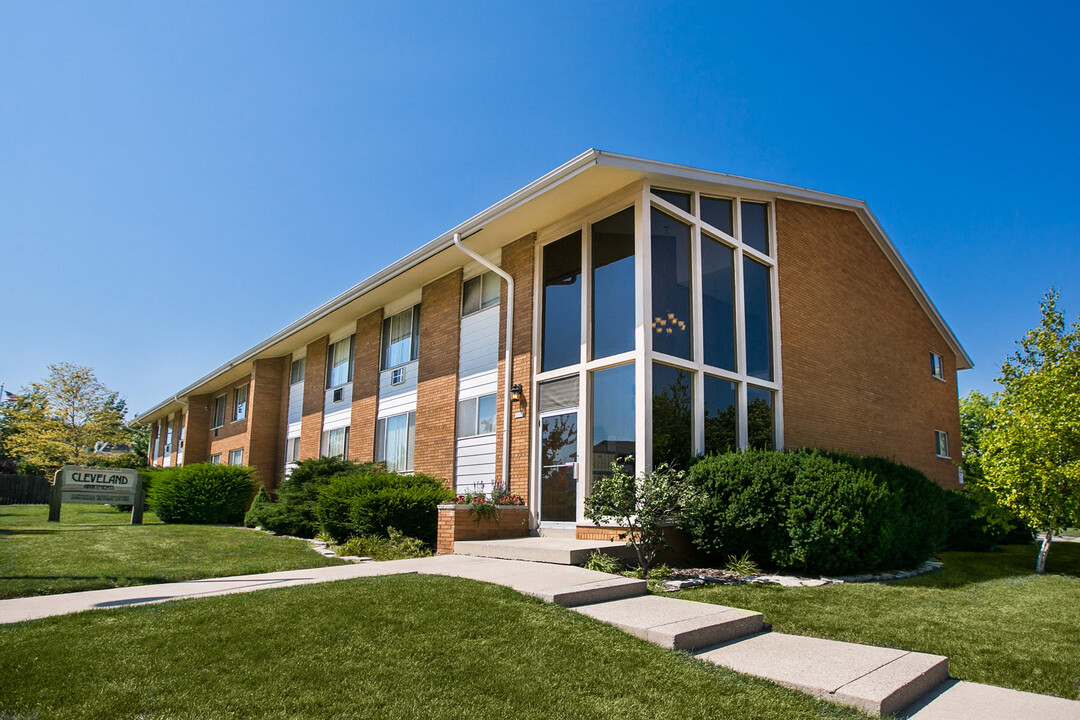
(97, 486)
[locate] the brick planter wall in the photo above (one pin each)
(456, 522)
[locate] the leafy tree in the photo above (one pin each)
(974, 420)
(641, 505)
(1031, 445)
(59, 419)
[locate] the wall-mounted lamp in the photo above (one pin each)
(516, 393)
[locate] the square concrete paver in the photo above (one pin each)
(675, 623)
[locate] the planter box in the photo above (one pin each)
(456, 522)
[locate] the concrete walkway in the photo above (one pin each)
(877, 680)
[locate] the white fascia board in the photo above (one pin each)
(557, 176)
(815, 197)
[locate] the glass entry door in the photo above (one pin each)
(558, 467)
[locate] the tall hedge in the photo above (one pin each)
(204, 494)
(370, 503)
(296, 511)
(815, 512)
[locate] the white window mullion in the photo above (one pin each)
(697, 379)
(643, 366)
(740, 332)
(778, 373)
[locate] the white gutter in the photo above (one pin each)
(508, 362)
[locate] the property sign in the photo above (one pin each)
(97, 486)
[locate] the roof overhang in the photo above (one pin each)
(588, 177)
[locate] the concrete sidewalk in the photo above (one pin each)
(877, 680)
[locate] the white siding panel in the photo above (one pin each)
(476, 385)
(339, 419)
(292, 430)
(397, 404)
(296, 402)
(329, 406)
(475, 471)
(386, 390)
(479, 342)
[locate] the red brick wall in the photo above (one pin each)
(456, 522)
(436, 396)
(197, 434)
(314, 399)
(265, 426)
(518, 260)
(365, 387)
(233, 435)
(856, 347)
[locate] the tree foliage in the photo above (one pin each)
(59, 419)
(1031, 445)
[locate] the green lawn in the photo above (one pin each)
(394, 647)
(94, 546)
(996, 620)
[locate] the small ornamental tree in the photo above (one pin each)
(641, 505)
(1031, 445)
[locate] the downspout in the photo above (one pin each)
(509, 359)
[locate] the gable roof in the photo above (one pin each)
(590, 176)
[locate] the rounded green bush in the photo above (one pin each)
(204, 494)
(818, 512)
(370, 503)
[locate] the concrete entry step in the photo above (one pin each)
(880, 681)
(674, 623)
(556, 550)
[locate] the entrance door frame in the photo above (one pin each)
(578, 474)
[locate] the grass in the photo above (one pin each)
(94, 546)
(996, 620)
(403, 646)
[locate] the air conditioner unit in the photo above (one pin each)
(338, 394)
(397, 376)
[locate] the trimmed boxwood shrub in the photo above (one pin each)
(370, 503)
(815, 512)
(204, 494)
(296, 512)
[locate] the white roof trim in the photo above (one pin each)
(556, 177)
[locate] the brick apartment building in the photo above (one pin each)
(658, 312)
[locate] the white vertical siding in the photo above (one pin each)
(330, 407)
(477, 375)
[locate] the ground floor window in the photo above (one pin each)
(215, 459)
(394, 441)
(760, 421)
(336, 443)
(236, 457)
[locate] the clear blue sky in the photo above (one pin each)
(179, 180)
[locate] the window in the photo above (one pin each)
(937, 367)
(613, 424)
(215, 459)
(336, 443)
(671, 324)
(292, 450)
(236, 457)
(480, 293)
(759, 419)
(339, 362)
(562, 303)
(219, 411)
(941, 440)
(394, 441)
(673, 428)
(757, 298)
(755, 225)
(721, 420)
(168, 438)
(399, 338)
(296, 371)
(613, 284)
(681, 200)
(718, 302)
(240, 399)
(182, 426)
(476, 416)
(717, 212)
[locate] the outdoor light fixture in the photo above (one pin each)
(515, 393)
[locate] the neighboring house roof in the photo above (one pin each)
(108, 448)
(590, 176)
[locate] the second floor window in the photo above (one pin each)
(219, 411)
(296, 371)
(240, 400)
(479, 293)
(339, 363)
(399, 338)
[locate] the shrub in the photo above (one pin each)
(261, 507)
(977, 523)
(296, 510)
(395, 546)
(815, 512)
(602, 562)
(204, 494)
(922, 525)
(369, 504)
